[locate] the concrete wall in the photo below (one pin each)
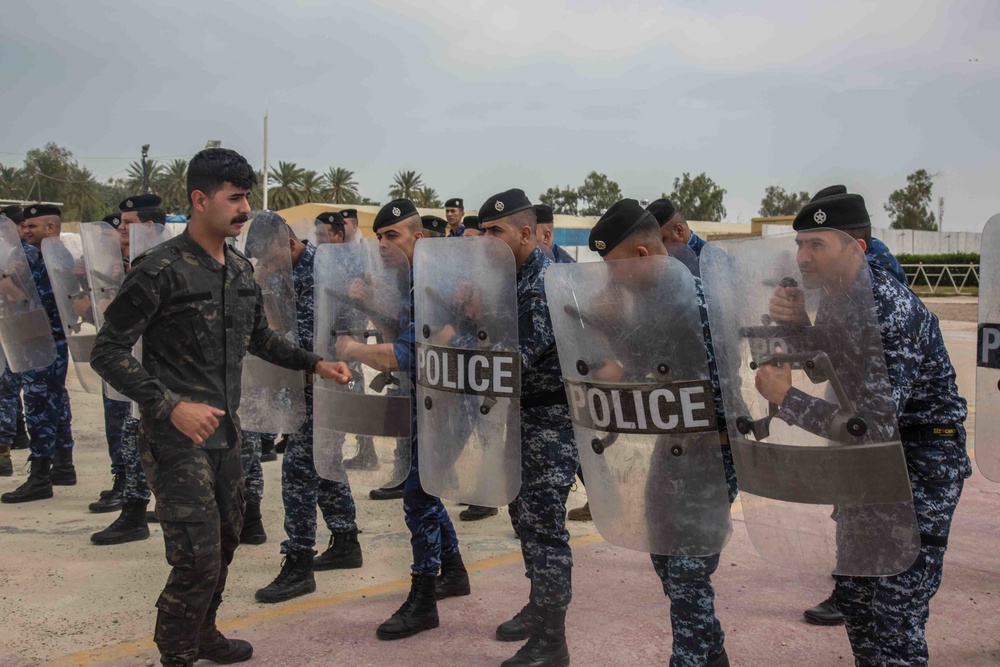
(908, 241)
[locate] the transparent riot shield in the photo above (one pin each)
(273, 399)
(102, 258)
(632, 351)
(63, 257)
(988, 354)
(468, 370)
(362, 430)
(25, 330)
(809, 406)
(306, 231)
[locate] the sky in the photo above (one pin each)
(484, 96)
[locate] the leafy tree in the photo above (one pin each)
(171, 185)
(597, 194)
(405, 185)
(777, 201)
(13, 182)
(311, 186)
(339, 186)
(133, 177)
(909, 207)
(427, 197)
(287, 179)
(564, 201)
(81, 195)
(698, 198)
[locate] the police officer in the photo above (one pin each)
(627, 231)
(885, 616)
(330, 228)
(471, 223)
(194, 302)
(546, 235)
(548, 453)
(11, 410)
(302, 488)
(432, 535)
(673, 227)
(46, 401)
(351, 232)
(454, 211)
(434, 227)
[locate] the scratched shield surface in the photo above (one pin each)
(988, 354)
(25, 331)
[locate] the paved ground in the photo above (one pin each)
(64, 601)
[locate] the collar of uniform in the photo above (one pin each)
(533, 263)
(204, 258)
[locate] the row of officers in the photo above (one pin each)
(486, 371)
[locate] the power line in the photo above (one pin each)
(84, 157)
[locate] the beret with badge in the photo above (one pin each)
(38, 210)
(455, 202)
(349, 212)
(332, 218)
(617, 223)
(830, 191)
(838, 211)
(139, 203)
(662, 210)
(502, 205)
(113, 219)
(15, 213)
(434, 223)
(471, 222)
(393, 212)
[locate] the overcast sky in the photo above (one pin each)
(482, 96)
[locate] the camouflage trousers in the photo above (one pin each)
(10, 405)
(114, 426)
(432, 534)
(302, 489)
(199, 503)
(136, 487)
(253, 472)
(47, 412)
(886, 616)
(687, 582)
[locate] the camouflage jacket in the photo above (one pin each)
(40, 274)
(696, 243)
(561, 256)
(197, 319)
(878, 254)
(305, 295)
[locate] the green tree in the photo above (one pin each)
(12, 182)
(81, 196)
(286, 191)
(405, 185)
(311, 186)
(339, 186)
(171, 185)
(427, 197)
(698, 198)
(909, 207)
(133, 176)
(597, 194)
(777, 201)
(564, 201)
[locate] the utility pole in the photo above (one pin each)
(145, 179)
(265, 161)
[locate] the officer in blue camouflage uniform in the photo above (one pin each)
(432, 535)
(673, 227)
(548, 453)
(46, 401)
(11, 410)
(302, 488)
(454, 212)
(885, 616)
(626, 231)
(546, 235)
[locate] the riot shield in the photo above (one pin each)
(822, 475)
(362, 293)
(633, 357)
(63, 257)
(988, 354)
(102, 257)
(25, 330)
(273, 398)
(468, 370)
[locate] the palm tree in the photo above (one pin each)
(311, 185)
(286, 192)
(133, 177)
(339, 186)
(405, 185)
(82, 195)
(172, 186)
(257, 192)
(11, 180)
(427, 197)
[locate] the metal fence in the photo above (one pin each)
(943, 277)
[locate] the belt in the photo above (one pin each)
(925, 432)
(933, 540)
(548, 400)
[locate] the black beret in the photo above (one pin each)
(829, 192)
(455, 202)
(113, 219)
(13, 212)
(616, 224)
(471, 221)
(434, 223)
(543, 213)
(38, 210)
(662, 210)
(330, 218)
(139, 203)
(834, 212)
(504, 204)
(349, 213)
(393, 212)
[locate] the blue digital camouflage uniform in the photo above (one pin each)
(458, 232)
(548, 452)
(560, 256)
(136, 486)
(46, 402)
(432, 534)
(302, 488)
(885, 616)
(114, 424)
(11, 382)
(878, 254)
(253, 472)
(696, 243)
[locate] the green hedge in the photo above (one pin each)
(960, 258)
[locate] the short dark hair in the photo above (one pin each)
(863, 233)
(153, 215)
(525, 218)
(212, 167)
(645, 233)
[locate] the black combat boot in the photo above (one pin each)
(366, 458)
(21, 439)
(6, 465)
(280, 446)
(344, 553)
(213, 645)
(267, 452)
(112, 501)
(253, 526)
(521, 626)
(718, 660)
(417, 614)
(38, 485)
(825, 613)
(454, 579)
(295, 579)
(547, 645)
(63, 471)
(477, 512)
(387, 493)
(130, 526)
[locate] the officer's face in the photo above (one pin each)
(827, 259)
(672, 231)
(518, 239)
(324, 234)
(403, 235)
(453, 216)
(350, 229)
(22, 229)
(36, 229)
(225, 212)
(472, 232)
(545, 233)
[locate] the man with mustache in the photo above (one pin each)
(194, 302)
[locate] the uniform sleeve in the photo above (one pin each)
(534, 329)
(275, 348)
(404, 348)
(125, 320)
(713, 369)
